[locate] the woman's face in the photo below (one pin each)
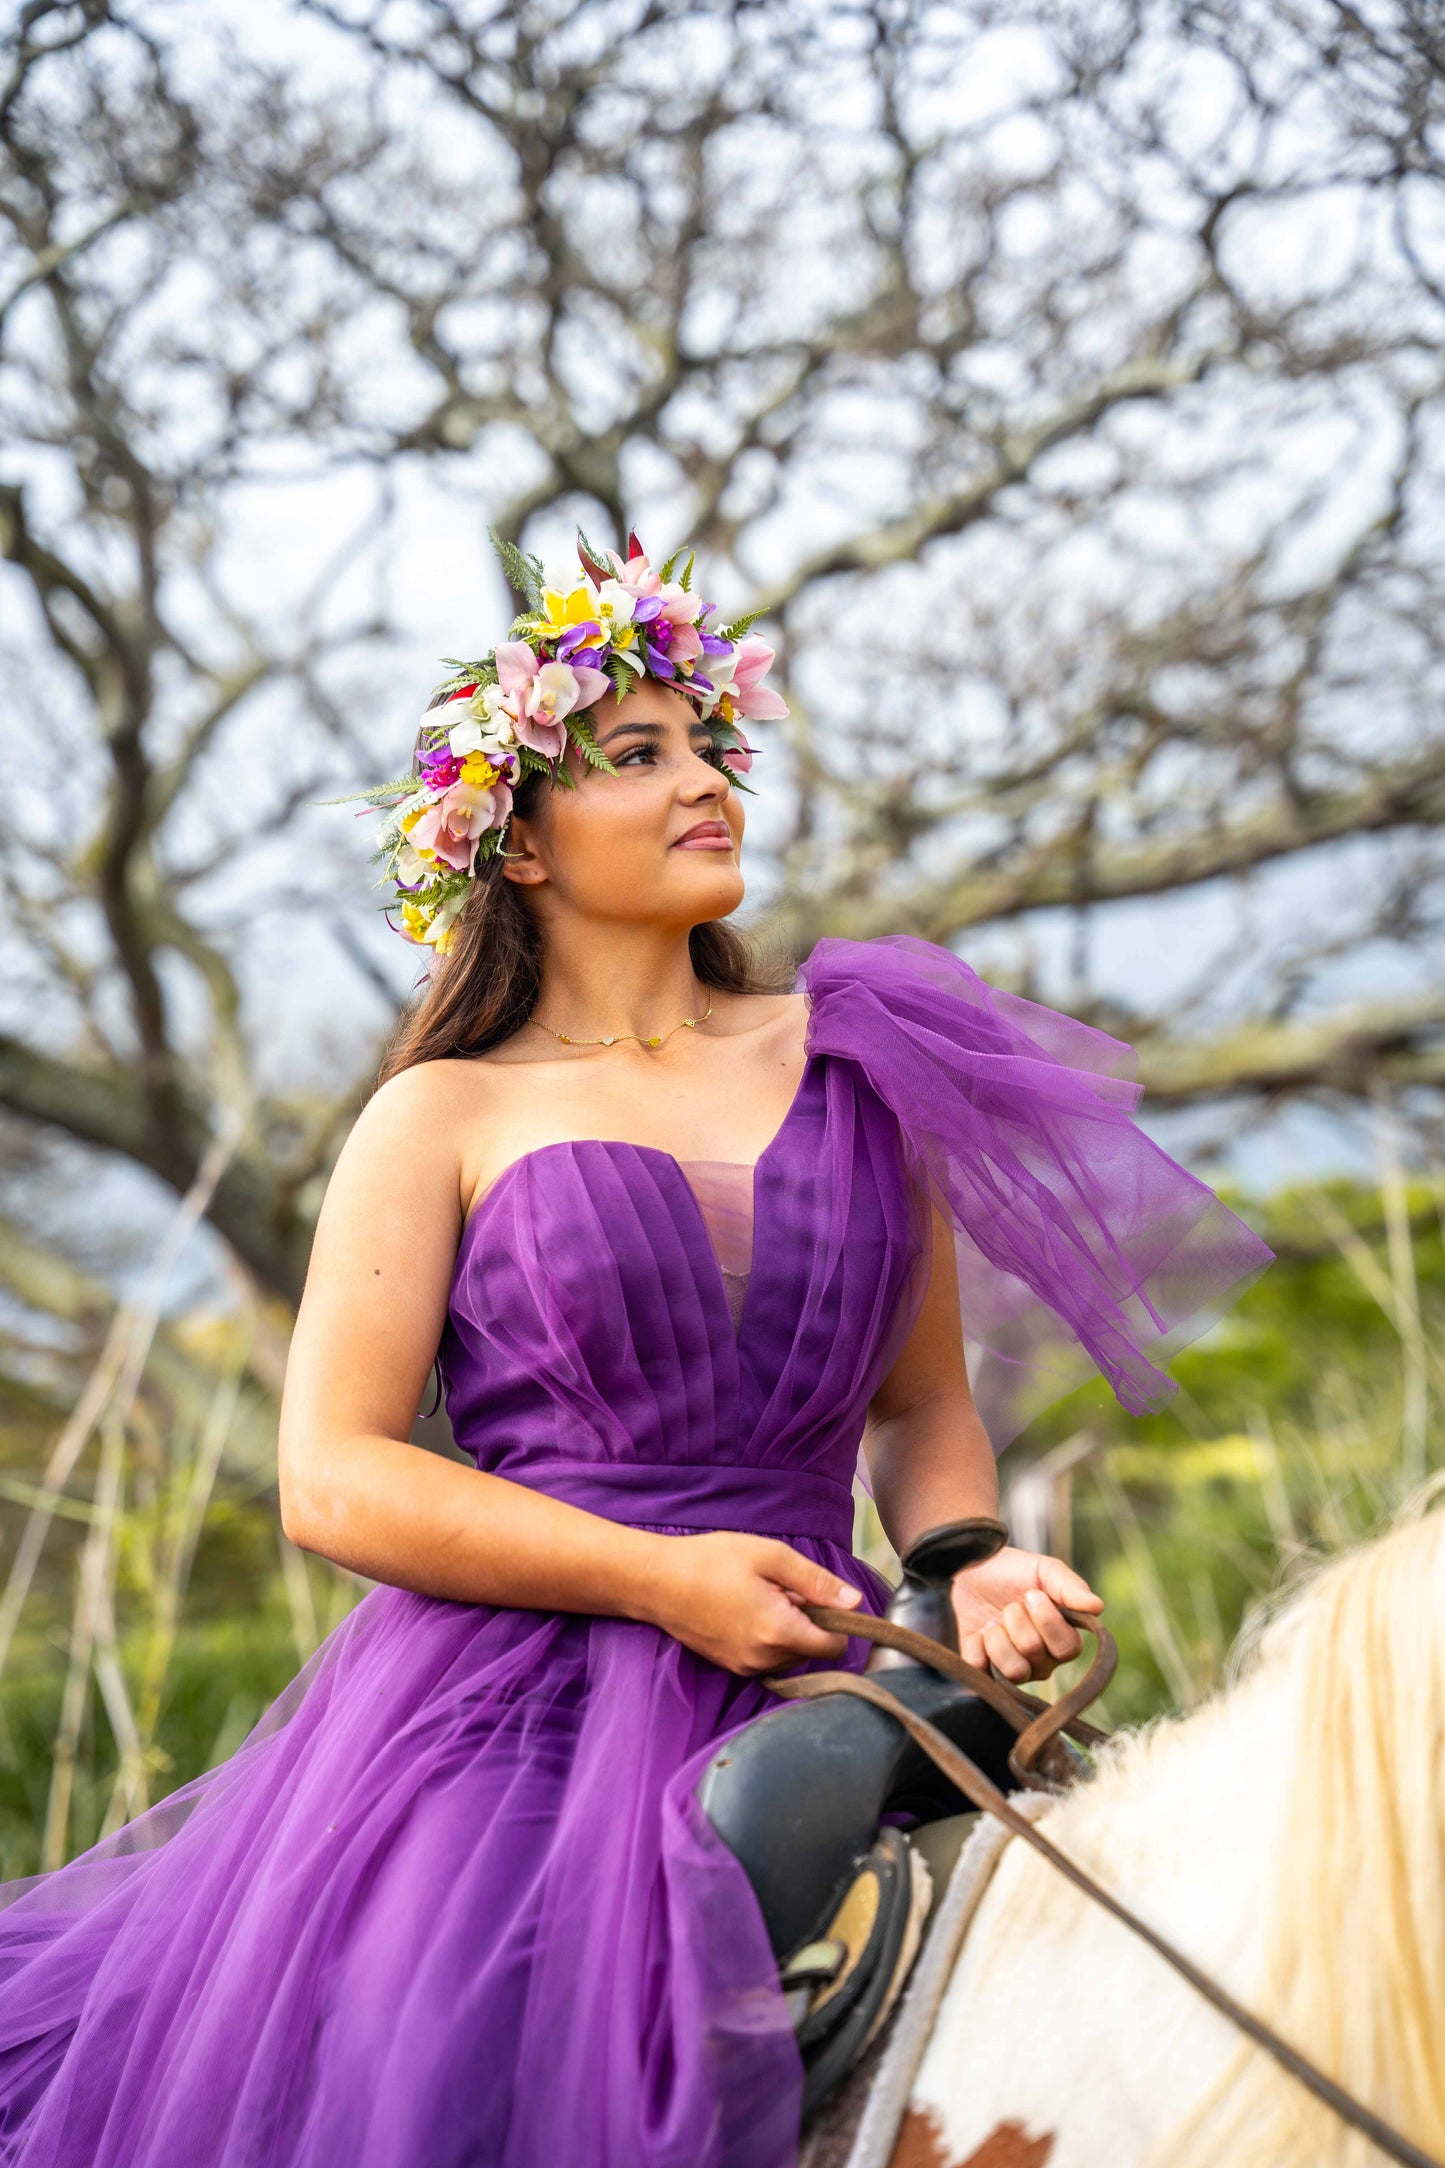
(658, 841)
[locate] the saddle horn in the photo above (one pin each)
(922, 1599)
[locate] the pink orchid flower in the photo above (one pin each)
(750, 697)
(636, 573)
(685, 645)
(537, 695)
(450, 829)
(637, 578)
(678, 605)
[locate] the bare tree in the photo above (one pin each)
(1065, 384)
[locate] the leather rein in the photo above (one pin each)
(1040, 1763)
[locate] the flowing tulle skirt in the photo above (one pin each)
(450, 1905)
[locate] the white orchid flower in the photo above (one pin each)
(466, 737)
(614, 607)
(718, 669)
(441, 925)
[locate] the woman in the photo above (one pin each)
(671, 1238)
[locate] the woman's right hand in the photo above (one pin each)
(737, 1600)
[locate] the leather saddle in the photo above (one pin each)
(808, 1798)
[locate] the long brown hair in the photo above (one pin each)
(486, 986)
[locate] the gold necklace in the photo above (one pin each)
(621, 1038)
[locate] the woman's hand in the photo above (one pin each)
(1008, 1613)
(737, 1600)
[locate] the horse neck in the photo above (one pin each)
(1203, 1787)
(1185, 1819)
(1182, 1822)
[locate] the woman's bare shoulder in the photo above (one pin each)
(448, 1114)
(419, 1115)
(783, 1017)
(418, 1092)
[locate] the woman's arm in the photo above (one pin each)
(930, 1462)
(355, 1489)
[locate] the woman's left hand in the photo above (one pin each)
(1008, 1612)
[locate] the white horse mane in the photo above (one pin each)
(1291, 1836)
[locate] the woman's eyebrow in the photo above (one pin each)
(655, 731)
(639, 730)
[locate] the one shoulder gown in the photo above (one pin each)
(452, 1903)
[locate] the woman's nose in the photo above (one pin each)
(705, 781)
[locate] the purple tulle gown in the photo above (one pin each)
(452, 1903)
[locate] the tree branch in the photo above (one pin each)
(1401, 1040)
(110, 1109)
(1404, 794)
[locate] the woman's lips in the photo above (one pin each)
(707, 836)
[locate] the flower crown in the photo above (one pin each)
(512, 714)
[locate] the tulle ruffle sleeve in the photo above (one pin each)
(1081, 1244)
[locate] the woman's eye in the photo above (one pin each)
(639, 752)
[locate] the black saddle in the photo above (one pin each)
(798, 1797)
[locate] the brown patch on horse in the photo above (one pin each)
(1010, 2146)
(920, 2145)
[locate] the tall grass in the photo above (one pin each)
(1300, 1429)
(151, 1607)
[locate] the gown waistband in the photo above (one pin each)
(713, 1494)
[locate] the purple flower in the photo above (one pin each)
(657, 662)
(712, 645)
(648, 607)
(577, 636)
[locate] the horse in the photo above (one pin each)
(1289, 1836)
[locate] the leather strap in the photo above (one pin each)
(1037, 1722)
(986, 1796)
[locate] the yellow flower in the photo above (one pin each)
(415, 921)
(441, 930)
(408, 822)
(478, 771)
(578, 607)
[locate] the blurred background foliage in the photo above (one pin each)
(1301, 1424)
(1063, 383)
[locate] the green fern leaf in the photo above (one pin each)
(376, 794)
(587, 746)
(524, 572)
(621, 674)
(593, 559)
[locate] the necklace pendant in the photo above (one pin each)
(610, 1042)
(654, 1042)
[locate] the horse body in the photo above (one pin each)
(1290, 1837)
